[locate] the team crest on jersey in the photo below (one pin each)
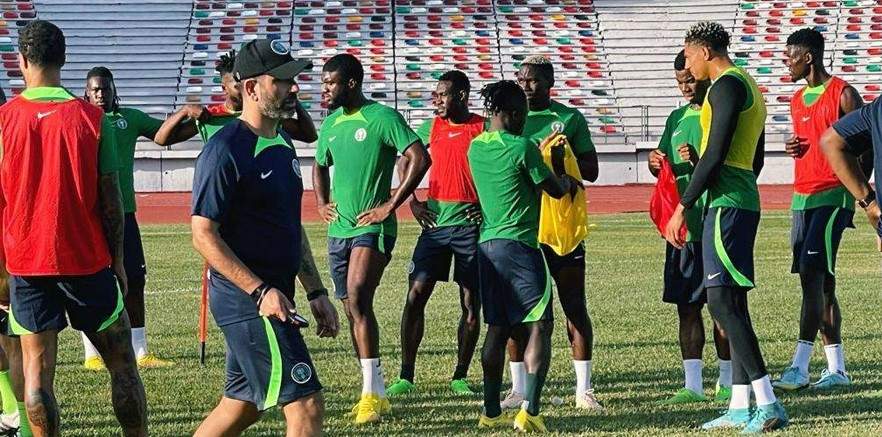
(295, 164)
(122, 123)
(360, 134)
(279, 47)
(557, 126)
(301, 373)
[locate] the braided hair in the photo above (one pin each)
(104, 73)
(225, 63)
(504, 96)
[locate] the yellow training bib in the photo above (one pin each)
(563, 223)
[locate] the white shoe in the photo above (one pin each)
(512, 401)
(587, 401)
(9, 424)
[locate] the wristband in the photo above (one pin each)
(867, 201)
(315, 294)
(258, 294)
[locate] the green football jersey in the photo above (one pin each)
(683, 126)
(563, 118)
(362, 147)
(129, 124)
(507, 169)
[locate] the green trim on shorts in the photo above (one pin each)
(828, 240)
(381, 243)
(15, 327)
(120, 306)
(724, 257)
(536, 313)
(275, 381)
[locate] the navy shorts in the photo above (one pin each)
(339, 250)
(727, 247)
(815, 237)
(556, 262)
(40, 303)
(267, 363)
(684, 275)
(436, 248)
(133, 250)
(515, 283)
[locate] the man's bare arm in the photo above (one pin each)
(113, 221)
(301, 128)
(179, 127)
(845, 164)
(308, 275)
(209, 244)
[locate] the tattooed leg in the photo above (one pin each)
(39, 353)
(129, 400)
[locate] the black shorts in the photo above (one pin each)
(133, 250)
(556, 262)
(727, 247)
(515, 283)
(339, 250)
(267, 363)
(40, 303)
(436, 247)
(815, 237)
(684, 275)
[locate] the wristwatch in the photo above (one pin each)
(867, 201)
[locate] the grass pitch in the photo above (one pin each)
(636, 357)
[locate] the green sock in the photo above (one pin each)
(533, 391)
(6, 393)
(24, 429)
(491, 397)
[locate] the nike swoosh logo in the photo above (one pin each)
(805, 119)
(41, 115)
(454, 134)
(812, 252)
(266, 175)
(710, 277)
(331, 139)
(676, 132)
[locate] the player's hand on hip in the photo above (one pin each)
(473, 214)
(325, 316)
(328, 212)
(275, 304)
(375, 215)
(687, 153)
(796, 147)
(119, 270)
(423, 215)
(672, 229)
(655, 159)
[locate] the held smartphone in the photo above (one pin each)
(298, 320)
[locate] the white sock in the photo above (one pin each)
(740, 397)
(835, 358)
(518, 376)
(692, 369)
(583, 377)
(802, 356)
(762, 388)
(725, 379)
(89, 347)
(371, 377)
(139, 341)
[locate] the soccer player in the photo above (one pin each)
(63, 233)
(683, 273)
(12, 421)
(360, 139)
(732, 151)
(508, 171)
(128, 125)
(449, 218)
(560, 235)
(246, 224)
(822, 209)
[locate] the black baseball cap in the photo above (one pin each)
(265, 56)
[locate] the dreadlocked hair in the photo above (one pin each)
(504, 96)
(104, 73)
(709, 34)
(225, 63)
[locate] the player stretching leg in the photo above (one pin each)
(684, 276)
(732, 151)
(822, 209)
(515, 283)
(246, 224)
(62, 201)
(128, 124)
(361, 138)
(449, 218)
(562, 229)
